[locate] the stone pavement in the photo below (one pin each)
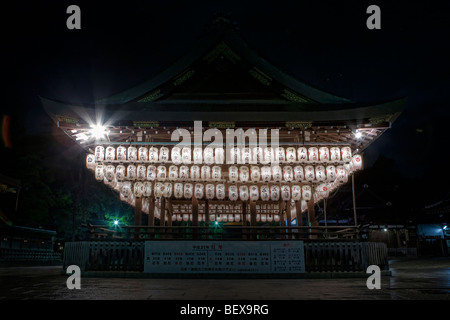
(418, 279)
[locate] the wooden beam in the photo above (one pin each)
(137, 216)
(312, 218)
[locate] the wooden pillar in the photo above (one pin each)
(312, 218)
(287, 207)
(298, 209)
(252, 219)
(169, 218)
(162, 220)
(244, 219)
(195, 217)
(137, 216)
(151, 217)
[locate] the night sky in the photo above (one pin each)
(323, 43)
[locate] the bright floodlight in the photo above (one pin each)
(98, 131)
(116, 222)
(358, 134)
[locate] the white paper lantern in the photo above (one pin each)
(90, 161)
(266, 173)
(198, 190)
(302, 154)
(208, 155)
(285, 192)
(309, 173)
(233, 194)
(141, 172)
(233, 174)
(237, 217)
(185, 217)
(255, 173)
(132, 154)
(274, 192)
(121, 153)
(184, 173)
(126, 190)
(110, 173)
(320, 173)
(159, 189)
(151, 173)
(299, 174)
(178, 190)
(346, 154)
(254, 192)
(167, 192)
(335, 154)
(147, 188)
(324, 154)
(164, 154)
(243, 192)
(216, 173)
(280, 155)
(188, 190)
(219, 155)
(265, 192)
(277, 173)
(195, 173)
(198, 155)
(306, 192)
(357, 162)
(176, 155)
(341, 174)
(235, 155)
(210, 191)
(220, 191)
(99, 153)
(246, 155)
(143, 154)
(153, 155)
(120, 172)
(313, 154)
(161, 173)
(244, 173)
(331, 173)
(110, 153)
(288, 173)
(276, 218)
(206, 173)
(290, 154)
(138, 189)
(173, 172)
(296, 192)
(269, 155)
(322, 191)
(258, 154)
(131, 172)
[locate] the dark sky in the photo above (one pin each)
(324, 43)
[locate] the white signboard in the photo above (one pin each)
(224, 257)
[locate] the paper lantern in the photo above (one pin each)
(143, 154)
(299, 174)
(280, 155)
(254, 192)
(288, 173)
(274, 192)
(331, 173)
(206, 173)
(257, 155)
(147, 188)
(357, 162)
(198, 155)
(285, 192)
(167, 192)
(296, 192)
(90, 161)
(265, 192)
(244, 173)
(290, 154)
(131, 172)
(235, 155)
(216, 173)
(141, 172)
(277, 173)
(126, 190)
(195, 173)
(153, 155)
(219, 155)
(159, 189)
(178, 190)
(132, 154)
(269, 156)
(306, 192)
(313, 154)
(302, 154)
(151, 173)
(320, 173)
(341, 174)
(198, 190)
(188, 190)
(349, 167)
(163, 154)
(220, 191)
(110, 173)
(99, 153)
(176, 155)
(335, 154)
(237, 217)
(233, 174)
(322, 191)
(309, 173)
(346, 154)
(276, 218)
(233, 194)
(161, 173)
(110, 153)
(173, 172)
(138, 189)
(208, 155)
(246, 155)
(185, 217)
(210, 191)
(266, 173)
(184, 173)
(121, 153)
(243, 192)
(324, 154)
(255, 173)
(120, 172)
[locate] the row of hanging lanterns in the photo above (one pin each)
(209, 155)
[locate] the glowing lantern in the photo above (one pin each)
(161, 173)
(159, 189)
(265, 192)
(219, 155)
(120, 172)
(313, 154)
(126, 190)
(274, 192)
(173, 172)
(178, 190)
(210, 188)
(254, 192)
(110, 153)
(322, 191)
(331, 173)
(109, 173)
(246, 155)
(243, 173)
(290, 154)
(320, 173)
(138, 189)
(357, 162)
(198, 155)
(195, 173)
(302, 154)
(285, 192)
(198, 190)
(131, 172)
(233, 192)
(132, 154)
(276, 173)
(233, 173)
(280, 155)
(306, 192)
(299, 174)
(288, 173)
(186, 155)
(163, 154)
(90, 161)
(296, 192)
(216, 173)
(255, 173)
(143, 154)
(153, 155)
(268, 155)
(257, 155)
(276, 218)
(243, 192)
(335, 154)
(266, 173)
(167, 192)
(99, 153)
(185, 217)
(121, 153)
(188, 190)
(309, 173)
(151, 173)
(176, 155)
(184, 173)
(147, 189)
(235, 155)
(346, 154)
(141, 172)
(324, 154)
(220, 191)
(208, 155)
(206, 173)
(341, 174)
